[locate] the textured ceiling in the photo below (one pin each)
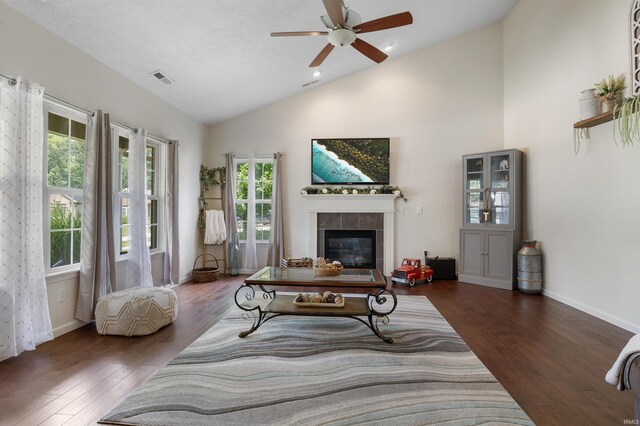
(219, 53)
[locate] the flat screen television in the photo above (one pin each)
(350, 161)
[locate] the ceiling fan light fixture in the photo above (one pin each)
(317, 74)
(352, 18)
(342, 37)
(326, 21)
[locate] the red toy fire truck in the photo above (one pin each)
(411, 272)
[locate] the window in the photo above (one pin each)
(261, 187)
(64, 157)
(152, 158)
(65, 131)
(122, 189)
(153, 199)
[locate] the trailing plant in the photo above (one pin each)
(209, 177)
(579, 135)
(626, 121)
(611, 87)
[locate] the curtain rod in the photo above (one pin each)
(13, 82)
(115, 123)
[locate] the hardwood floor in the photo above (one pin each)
(551, 358)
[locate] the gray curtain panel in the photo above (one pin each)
(276, 240)
(172, 249)
(97, 257)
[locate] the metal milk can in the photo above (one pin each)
(529, 268)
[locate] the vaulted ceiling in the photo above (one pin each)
(219, 53)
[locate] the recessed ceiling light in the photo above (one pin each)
(316, 74)
(388, 47)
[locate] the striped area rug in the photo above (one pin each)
(314, 370)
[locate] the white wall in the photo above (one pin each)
(584, 209)
(435, 105)
(67, 73)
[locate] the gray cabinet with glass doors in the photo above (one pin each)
(491, 202)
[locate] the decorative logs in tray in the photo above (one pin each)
(303, 262)
(324, 268)
(325, 299)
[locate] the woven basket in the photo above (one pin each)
(205, 274)
(327, 272)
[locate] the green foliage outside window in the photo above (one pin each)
(263, 189)
(66, 234)
(65, 151)
(65, 170)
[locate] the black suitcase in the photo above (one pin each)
(444, 268)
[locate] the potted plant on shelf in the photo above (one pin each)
(609, 92)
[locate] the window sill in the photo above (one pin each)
(125, 257)
(56, 277)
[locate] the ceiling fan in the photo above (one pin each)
(344, 25)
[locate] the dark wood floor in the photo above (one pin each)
(551, 358)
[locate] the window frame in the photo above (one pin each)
(241, 159)
(159, 183)
(159, 175)
(116, 133)
(47, 191)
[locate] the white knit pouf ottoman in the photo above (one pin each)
(136, 311)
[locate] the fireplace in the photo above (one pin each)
(360, 212)
(352, 248)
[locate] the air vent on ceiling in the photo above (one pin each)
(310, 83)
(162, 77)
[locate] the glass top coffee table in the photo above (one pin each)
(376, 305)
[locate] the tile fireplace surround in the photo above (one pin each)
(341, 208)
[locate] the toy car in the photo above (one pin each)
(412, 272)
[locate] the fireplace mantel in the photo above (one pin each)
(353, 203)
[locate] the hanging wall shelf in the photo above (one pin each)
(595, 121)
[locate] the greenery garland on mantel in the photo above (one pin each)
(346, 190)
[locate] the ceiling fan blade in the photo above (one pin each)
(391, 21)
(334, 9)
(298, 33)
(322, 55)
(371, 52)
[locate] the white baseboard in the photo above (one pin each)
(634, 328)
(185, 279)
(65, 328)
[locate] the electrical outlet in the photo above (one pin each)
(289, 253)
(62, 295)
(419, 210)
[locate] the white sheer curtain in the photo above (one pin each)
(250, 257)
(172, 251)
(276, 238)
(97, 256)
(24, 310)
(139, 259)
(233, 264)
